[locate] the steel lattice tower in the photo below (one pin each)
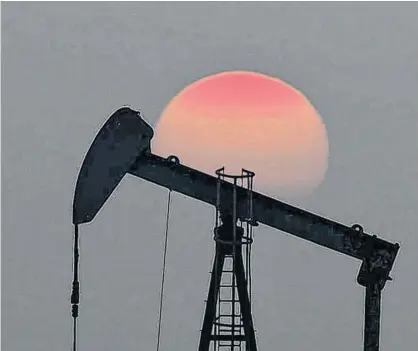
(228, 321)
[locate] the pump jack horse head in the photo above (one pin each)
(121, 140)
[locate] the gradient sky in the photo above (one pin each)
(66, 67)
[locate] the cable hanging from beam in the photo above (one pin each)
(160, 312)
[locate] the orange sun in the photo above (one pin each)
(247, 120)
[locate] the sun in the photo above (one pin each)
(247, 120)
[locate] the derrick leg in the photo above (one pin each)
(250, 344)
(215, 281)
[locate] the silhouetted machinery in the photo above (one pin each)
(122, 147)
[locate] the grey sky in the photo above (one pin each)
(67, 66)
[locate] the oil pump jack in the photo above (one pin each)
(122, 147)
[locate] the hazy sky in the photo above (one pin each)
(67, 66)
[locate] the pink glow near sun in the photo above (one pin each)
(239, 89)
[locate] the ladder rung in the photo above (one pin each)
(228, 337)
(227, 346)
(227, 331)
(238, 330)
(227, 327)
(230, 316)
